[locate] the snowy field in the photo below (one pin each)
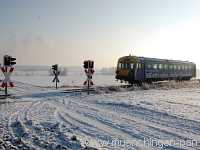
(166, 116)
(70, 80)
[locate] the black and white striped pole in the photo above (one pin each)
(56, 74)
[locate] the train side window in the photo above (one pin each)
(182, 67)
(149, 66)
(171, 67)
(185, 67)
(165, 66)
(155, 66)
(175, 67)
(160, 66)
(139, 66)
(179, 67)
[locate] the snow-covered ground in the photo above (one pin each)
(70, 80)
(162, 117)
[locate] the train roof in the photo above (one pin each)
(154, 59)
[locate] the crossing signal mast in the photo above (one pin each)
(56, 73)
(89, 71)
(9, 61)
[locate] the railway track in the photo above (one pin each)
(21, 92)
(78, 90)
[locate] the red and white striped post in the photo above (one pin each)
(89, 71)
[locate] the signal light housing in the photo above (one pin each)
(55, 67)
(88, 64)
(12, 61)
(9, 61)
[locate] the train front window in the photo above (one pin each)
(128, 65)
(125, 66)
(175, 67)
(132, 66)
(119, 65)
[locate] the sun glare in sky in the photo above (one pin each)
(67, 32)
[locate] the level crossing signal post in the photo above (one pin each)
(56, 74)
(89, 71)
(7, 70)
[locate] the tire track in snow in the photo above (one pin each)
(132, 125)
(19, 132)
(154, 116)
(96, 128)
(48, 133)
(183, 128)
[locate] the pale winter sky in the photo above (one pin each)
(43, 32)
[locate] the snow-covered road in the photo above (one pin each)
(43, 118)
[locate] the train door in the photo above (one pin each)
(140, 71)
(136, 72)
